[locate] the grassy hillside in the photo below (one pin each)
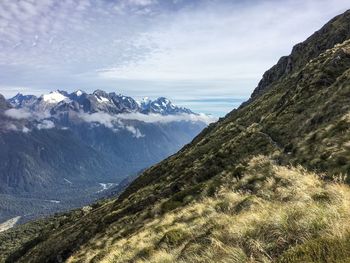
(265, 184)
(273, 213)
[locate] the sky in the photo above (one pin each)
(207, 55)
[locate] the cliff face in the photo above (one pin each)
(3, 103)
(334, 32)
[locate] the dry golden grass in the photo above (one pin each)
(255, 219)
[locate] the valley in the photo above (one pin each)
(72, 148)
(9, 223)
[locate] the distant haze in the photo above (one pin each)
(205, 55)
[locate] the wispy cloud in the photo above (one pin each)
(121, 121)
(102, 118)
(226, 41)
(136, 132)
(46, 124)
(18, 114)
(153, 118)
(18, 128)
(178, 49)
(38, 120)
(26, 114)
(116, 122)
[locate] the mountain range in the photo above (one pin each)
(58, 101)
(267, 183)
(62, 146)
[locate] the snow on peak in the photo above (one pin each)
(79, 93)
(163, 103)
(54, 97)
(146, 100)
(102, 99)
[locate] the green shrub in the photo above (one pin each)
(319, 250)
(175, 237)
(146, 252)
(170, 205)
(181, 198)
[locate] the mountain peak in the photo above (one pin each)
(79, 92)
(101, 93)
(163, 106)
(99, 100)
(163, 100)
(144, 101)
(20, 100)
(54, 97)
(18, 95)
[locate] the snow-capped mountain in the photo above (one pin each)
(115, 111)
(61, 101)
(54, 97)
(20, 100)
(43, 103)
(162, 106)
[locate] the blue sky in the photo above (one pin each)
(207, 55)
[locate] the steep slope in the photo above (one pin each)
(3, 103)
(255, 218)
(218, 198)
(162, 106)
(334, 32)
(20, 100)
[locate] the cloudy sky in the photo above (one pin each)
(207, 55)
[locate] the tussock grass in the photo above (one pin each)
(272, 213)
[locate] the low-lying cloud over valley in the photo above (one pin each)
(115, 122)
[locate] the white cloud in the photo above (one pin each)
(26, 114)
(22, 114)
(110, 121)
(138, 7)
(136, 132)
(18, 114)
(140, 2)
(102, 118)
(116, 122)
(60, 34)
(11, 127)
(154, 118)
(46, 124)
(240, 42)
